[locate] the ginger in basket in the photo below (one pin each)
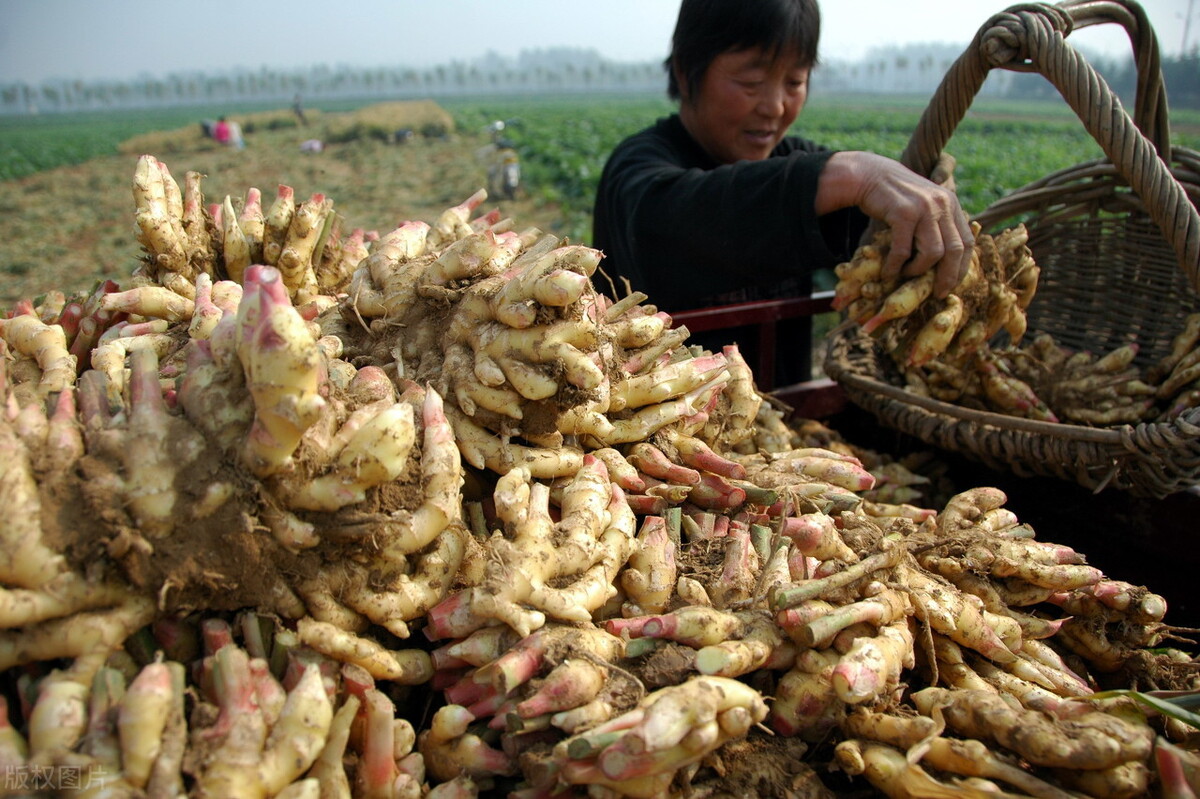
(917, 327)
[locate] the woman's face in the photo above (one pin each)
(744, 104)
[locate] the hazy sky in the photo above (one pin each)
(94, 39)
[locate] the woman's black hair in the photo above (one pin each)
(707, 28)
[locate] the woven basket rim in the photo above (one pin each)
(841, 370)
(1103, 451)
(1096, 435)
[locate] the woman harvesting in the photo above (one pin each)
(717, 204)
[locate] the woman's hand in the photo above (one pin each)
(929, 227)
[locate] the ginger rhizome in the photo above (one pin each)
(294, 484)
(973, 348)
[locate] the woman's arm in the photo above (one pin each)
(929, 227)
(684, 234)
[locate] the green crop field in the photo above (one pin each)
(999, 147)
(563, 142)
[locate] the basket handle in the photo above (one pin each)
(1150, 103)
(1030, 37)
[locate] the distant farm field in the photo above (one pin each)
(66, 212)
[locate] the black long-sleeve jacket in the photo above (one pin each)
(692, 233)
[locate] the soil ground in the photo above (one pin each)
(69, 227)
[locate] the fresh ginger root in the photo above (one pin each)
(945, 348)
(46, 345)
(1092, 740)
(916, 327)
(613, 540)
(160, 218)
(254, 758)
(283, 372)
(1044, 381)
(525, 580)
(638, 753)
(528, 353)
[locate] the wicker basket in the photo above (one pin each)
(1117, 240)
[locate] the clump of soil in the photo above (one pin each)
(760, 766)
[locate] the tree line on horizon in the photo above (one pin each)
(915, 69)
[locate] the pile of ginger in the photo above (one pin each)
(307, 511)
